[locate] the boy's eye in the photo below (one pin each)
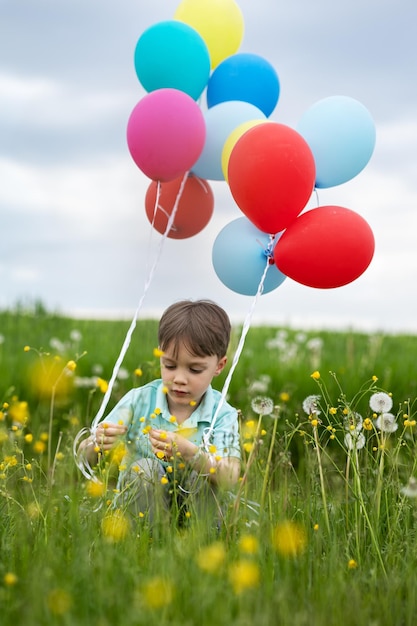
(169, 367)
(195, 371)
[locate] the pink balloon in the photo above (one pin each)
(166, 134)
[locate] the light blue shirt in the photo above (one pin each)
(147, 407)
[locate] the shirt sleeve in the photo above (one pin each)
(225, 436)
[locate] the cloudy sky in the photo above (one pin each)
(74, 233)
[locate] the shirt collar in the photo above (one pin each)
(203, 413)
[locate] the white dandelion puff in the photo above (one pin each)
(353, 422)
(380, 402)
(310, 405)
(354, 440)
(262, 405)
(410, 489)
(386, 423)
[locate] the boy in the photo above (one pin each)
(165, 423)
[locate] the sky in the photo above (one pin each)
(74, 233)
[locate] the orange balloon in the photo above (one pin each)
(194, 210)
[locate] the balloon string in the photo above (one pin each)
(245, 330)
(129, 333)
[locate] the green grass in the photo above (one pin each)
(332, 543)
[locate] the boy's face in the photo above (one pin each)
(187, 376)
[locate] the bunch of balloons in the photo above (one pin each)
(272, 170)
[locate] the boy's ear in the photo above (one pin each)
(220, 365)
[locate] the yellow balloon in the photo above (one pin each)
(232, 140)
(219, 22)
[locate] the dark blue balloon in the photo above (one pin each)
(247, 77)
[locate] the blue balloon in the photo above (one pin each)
(239, 258)
(172, 54)
(220, 121)
(247, 77)
(341, 134)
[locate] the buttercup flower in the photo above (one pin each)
(211, 558)
(243, 575)
(310, 405)
(158, 592)
(380, 402)
(289, 538)
(386, 423)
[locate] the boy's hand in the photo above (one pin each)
(108, 434)
(170, 443)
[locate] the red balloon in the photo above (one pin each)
(271, 174)
(326, 247)
(194, 210)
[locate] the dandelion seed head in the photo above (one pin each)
(354, 440)
(380, 402)
(262, 405)
(410, 489)
(310, 405)
(353, 422)
(386, 422)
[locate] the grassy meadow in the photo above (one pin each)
(321, 529)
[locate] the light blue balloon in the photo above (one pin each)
(239, 258)
(172, 54)
(220, 121)
(247, 77)
(341, 134)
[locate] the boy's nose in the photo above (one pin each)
(180, 377)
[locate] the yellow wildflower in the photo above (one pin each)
(39, 447)
(211, 558)
(284, 396)
(71, 365)
(315, 375)
(138, 372)
(248, 544)
(115, 526)
(26, 349)
(157, 352)
(243, 575)
(95, 488)
(10, 579)
(102, 385)
(59, 601)
(164, 480)
(289, 538)
(158, 592)
(352, 564)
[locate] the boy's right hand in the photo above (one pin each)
(108, 434)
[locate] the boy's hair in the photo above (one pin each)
(201, 325)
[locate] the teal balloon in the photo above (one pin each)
(341, 134)
(247, 77)
(172, 54)
(239, 258)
